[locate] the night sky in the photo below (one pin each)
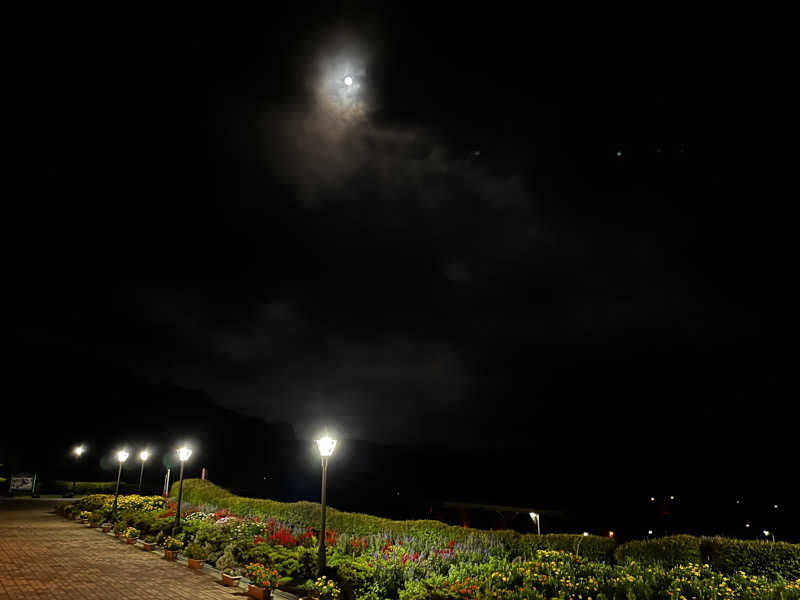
(522, 235)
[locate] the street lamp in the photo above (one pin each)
(769, 533)
(325, 446)
(143, 456)
(122, 456)
(348, 81)
(535, 517)
(183, 455)
(77, 451)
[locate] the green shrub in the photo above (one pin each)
(304, 514)
(82, 488)
(666, 551)
(753, 557)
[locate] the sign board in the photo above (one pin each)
(22, 483)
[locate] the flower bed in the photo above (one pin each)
(420, 564)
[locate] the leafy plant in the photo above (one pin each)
(262, 576)
(131, 533)
(172, 544)
(326, 589)
(195, 551)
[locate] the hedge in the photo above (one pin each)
(304, 514)
(668, 551)
(753, 557)
(82, 488)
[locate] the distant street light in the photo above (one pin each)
(649, 533)
(535, 517)
(348, 81)
(325, 446)
(768, 534)
(183, 455)
(143, 456)
(77, 451)
(611, 534)
(122, 456)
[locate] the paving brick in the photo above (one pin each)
(42, 555)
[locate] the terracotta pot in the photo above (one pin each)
(106, 529)
(195, 563)
(257, 592)
(92, 525)
(148, 546)
(131, 540)
(170, 554)
(117, 534)
(84, 521)
(230, 580)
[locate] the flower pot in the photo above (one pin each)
(148, 546)
(92, 525)
(170, 554)
(195, 563)
(257, 592)
(117, 534)
(131, 540)
(106, 529)
(84, 521)
(230, 580)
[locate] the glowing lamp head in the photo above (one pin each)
(747, 524)
(144, 455)
(122, 456)
(79, 450)
(184, 453)
(610, 534)
(766, 532)
(649, 532)
(534, 516)
(585, 534)
(326, 446)
(348, 81)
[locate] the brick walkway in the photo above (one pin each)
(43, 556)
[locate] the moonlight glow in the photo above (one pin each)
(340, 82)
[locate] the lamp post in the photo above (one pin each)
(325, 446)
(535, 517)
(769, 533)
(122, 456)
(77, 451)
(183, 455)
(143, 456)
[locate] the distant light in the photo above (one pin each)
(610, 534)
(619, 153)
(766, 532)
(348, 81)
(747, 524)
(184, 453)
(672, 497)
(122, 456)
(774, 506)
(649, 532)
(737, 502)
(585, 533)
(652, 499)
(326, 446)
(144, 455)
(80, 450)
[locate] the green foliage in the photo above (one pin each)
(132, 532)
(355, 575)
(82, 488)
(304, 514)
(666, 551)
(172, 544)
(297, 563)
(772, 559)
(196, 551)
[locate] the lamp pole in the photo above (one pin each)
(143, 455)
(122, 456)
(325, 446)
(183, 455)
(768, 533)
(77, 451)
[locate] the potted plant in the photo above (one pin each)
(326, 589)
(149, 543)
(196, 555)
(85, 514)
(107, 526)
(95, 520)
(230, 577)
(119, 527)
(228, 568)
(131, 535)
(262, 581)
(171, 547)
